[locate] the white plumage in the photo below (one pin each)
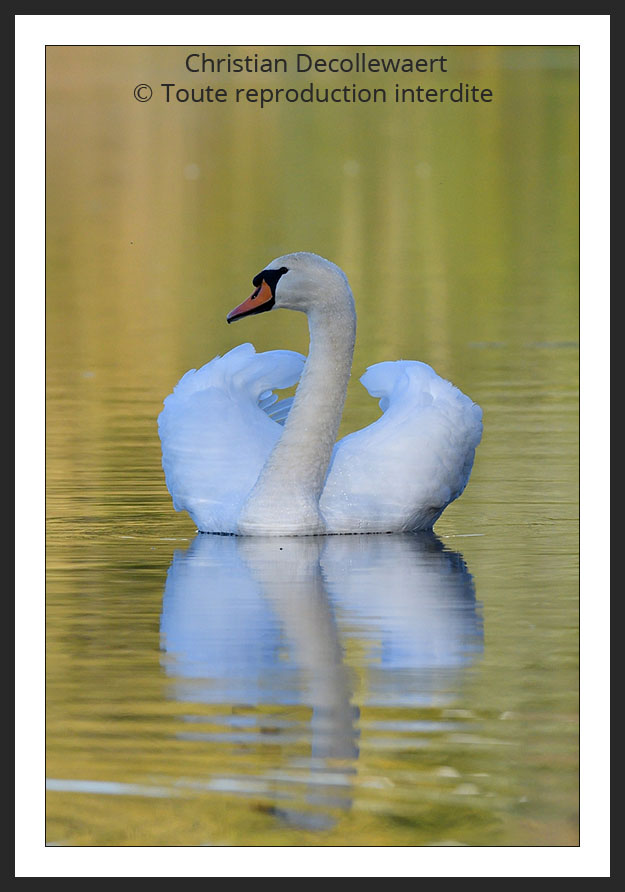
(239, 461)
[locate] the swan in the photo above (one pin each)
(243, 462)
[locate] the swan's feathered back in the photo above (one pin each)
(400, 472)
(216, 431)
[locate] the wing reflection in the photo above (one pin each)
(263, 622)
(413, 602)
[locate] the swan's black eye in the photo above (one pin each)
(270, 276)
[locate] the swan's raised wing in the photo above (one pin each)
(217, 431)
(400, 472)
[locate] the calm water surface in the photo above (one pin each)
(340, 691)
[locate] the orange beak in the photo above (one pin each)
(260, 300)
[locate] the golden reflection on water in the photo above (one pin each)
(457, 227)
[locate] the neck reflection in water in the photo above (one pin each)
(253, 626)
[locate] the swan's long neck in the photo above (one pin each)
(305, 447)
(292, 480)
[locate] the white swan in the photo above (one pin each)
(240, 462)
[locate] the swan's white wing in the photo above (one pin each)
(277, 410)
(216, 431)
(400, 472)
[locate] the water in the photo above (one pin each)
(347, 691)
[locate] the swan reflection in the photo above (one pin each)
(253, 622)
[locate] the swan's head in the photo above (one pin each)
(299, 281)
